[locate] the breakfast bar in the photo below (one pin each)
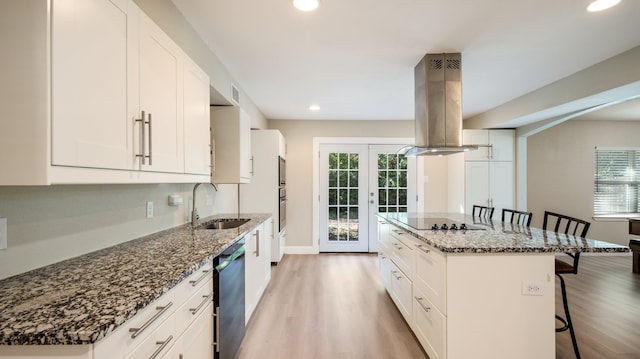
(475, 288)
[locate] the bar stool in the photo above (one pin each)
(483, 212)
(522, 218)
(574, 227)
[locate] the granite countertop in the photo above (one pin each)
(497, 237)
(80, 300)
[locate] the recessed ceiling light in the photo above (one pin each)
(314, 108)
(599, 5)
(306, 5)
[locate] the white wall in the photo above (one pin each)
(560, 171)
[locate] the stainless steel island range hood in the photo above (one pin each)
(438, 106)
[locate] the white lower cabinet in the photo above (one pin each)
(197, 340)
(430, 276)
(430, 326)
(257, 266)
(401, 292)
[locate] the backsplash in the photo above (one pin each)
(47, 224)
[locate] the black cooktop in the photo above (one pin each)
(440, 223)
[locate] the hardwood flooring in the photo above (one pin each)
(604, 302)
(328, 306)
(334, 306)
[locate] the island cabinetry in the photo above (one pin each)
(231, 142)
(78, 111)
(470, 305)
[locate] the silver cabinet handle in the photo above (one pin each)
(217, 328)
(398, 246)
(251, 166)
(150, 156)
(162, 344)
(143, 146)
(257, 235)
(383, 222)
(424, 307)
(202, 277)
(393, 272)
(423, 248)
(397, 231)
(206, 299)
(138, 331)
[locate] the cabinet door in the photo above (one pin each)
(197, 340)
(430, 327)
(197, 135)
(267, 239)
(401, 293)
(476, 137)
(89, 85)
(501, 179)
(476, 184)
(161, 77)
(502, 145)
(251, 270)
(246, 160)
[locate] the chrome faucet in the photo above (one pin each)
(194, 210)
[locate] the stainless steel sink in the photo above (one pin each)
(226, 223)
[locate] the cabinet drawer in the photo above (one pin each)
(158, 343)
(401, 291)
(402, 251)
(194, 305)
(122, 341)
(430, 275)
(193, 283)
(384, 270)
(430, 326)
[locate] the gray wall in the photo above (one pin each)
(560, 171)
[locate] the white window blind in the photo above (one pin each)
(616, 181)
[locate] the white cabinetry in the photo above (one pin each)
(257, 267)
(262, 194)
(490, 171)
(197, 144)
(467, 305)
(76, 115)
(89, 84)
(231, 141)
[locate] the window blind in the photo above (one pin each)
(616, 181)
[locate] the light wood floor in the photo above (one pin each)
(327, 306)
(604, 301)
(334, 306)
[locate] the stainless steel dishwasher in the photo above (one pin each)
(228, 278)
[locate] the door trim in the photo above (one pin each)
(316, 173)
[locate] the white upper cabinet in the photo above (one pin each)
(231, 139)
(197, 134)
(499, 145)
(90, 127)
(76, 116)
(160, 92)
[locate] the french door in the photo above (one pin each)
(357, 181)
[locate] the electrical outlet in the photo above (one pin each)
(532, 287)
(150, 209)
(3, 233)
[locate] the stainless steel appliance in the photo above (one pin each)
(282, 171)
(228, 278)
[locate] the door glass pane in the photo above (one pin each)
(392, 183)
(343, 197)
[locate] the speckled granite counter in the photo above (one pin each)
(497, 237)
(80, 300)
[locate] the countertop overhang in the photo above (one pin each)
(497, 237)
(82, 299)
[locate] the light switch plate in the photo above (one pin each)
(3, 233)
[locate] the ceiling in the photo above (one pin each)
(355, 58)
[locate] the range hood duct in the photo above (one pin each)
(438, 106)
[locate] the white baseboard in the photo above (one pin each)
(301, 250)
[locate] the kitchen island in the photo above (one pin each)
(484, 292)
(68, 308)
